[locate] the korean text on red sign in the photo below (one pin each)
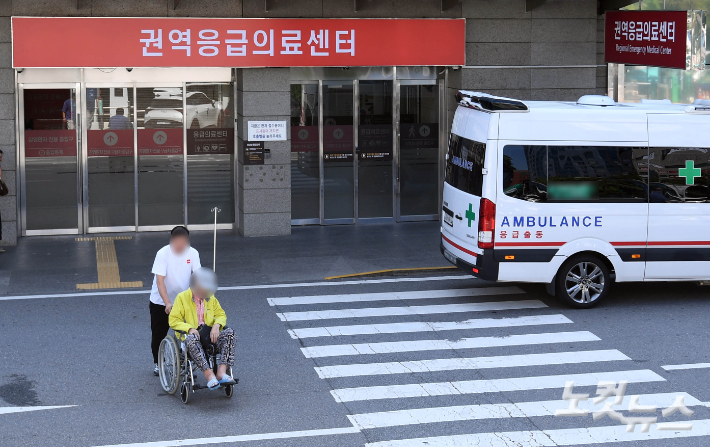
(198, 42)
(653, 38)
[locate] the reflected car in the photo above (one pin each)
(669, 192)
(697, 194)
(166, 111)
(529, 191)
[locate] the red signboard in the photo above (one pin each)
(110, 143)
(654, 38)
(337, 142)
(197, 42)
(304, 138)
(160, 141)
(50, 143)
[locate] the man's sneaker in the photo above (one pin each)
(155, 370)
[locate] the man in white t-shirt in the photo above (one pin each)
(172, 268)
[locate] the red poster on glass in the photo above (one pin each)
(205, 42)
(50, 143)
(653, 38)
(337, 142)
(160, 141)
(110, 143)
(304, 138)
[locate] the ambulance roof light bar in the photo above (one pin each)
(489, 103)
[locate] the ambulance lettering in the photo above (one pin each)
(542, 221)
(467, 165)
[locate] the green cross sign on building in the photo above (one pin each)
(470, 215)
(689, 172)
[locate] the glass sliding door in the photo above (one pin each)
(210, 153)
(338, 152)
(418, 150)
(367, 148)
(51, 199)
(374, 150)
(305, 154)
(110, 164)
(161, 163)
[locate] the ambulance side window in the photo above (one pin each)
(597, 173)
(575, 174)
(679, 175)
(464, 167)
(525, 172)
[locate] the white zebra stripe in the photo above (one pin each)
(543, 438)
(506, 361)
(436, 345)
(501, 411)
(409, 310)
(393, 296)
(686, 366)
(490, 386)
(394, 328)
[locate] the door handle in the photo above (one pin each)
(459, 217)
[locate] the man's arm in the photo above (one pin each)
(163, 291)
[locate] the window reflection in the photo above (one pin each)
(679, 175)
(575, 173)
(210, 153)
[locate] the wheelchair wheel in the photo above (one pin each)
(229, 390)
(169, 364)
(185, 392)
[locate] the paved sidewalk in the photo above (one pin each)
(59, 263)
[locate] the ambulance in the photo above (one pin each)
(578, 195)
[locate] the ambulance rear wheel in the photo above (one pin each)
(582, 281)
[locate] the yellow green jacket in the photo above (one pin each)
(183, 316)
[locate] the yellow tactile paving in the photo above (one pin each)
(107, 265)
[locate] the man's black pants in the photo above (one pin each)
(159, 327)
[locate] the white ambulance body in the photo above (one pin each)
(578, 195)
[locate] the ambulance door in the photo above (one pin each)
(679, 195)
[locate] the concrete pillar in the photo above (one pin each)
(264, 191)
(8, 204)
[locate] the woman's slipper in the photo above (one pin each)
(227, 380)
(213, 384)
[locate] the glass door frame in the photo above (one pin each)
(409, 76)
(395, 155)
(321, 152)
(85, 161)
(314, 220)
(158, 84)
(235, 179)
(21, 87)
(440, 83)
(134, 86)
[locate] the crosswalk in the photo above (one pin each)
(453, 365)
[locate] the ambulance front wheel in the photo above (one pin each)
(583, 281)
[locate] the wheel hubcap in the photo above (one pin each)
(584, 282)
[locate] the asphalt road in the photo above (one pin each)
(92, 352)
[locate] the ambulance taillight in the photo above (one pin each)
(486, 223)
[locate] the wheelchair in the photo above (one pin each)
(176, 369)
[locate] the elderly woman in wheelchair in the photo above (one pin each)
(206, 343)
